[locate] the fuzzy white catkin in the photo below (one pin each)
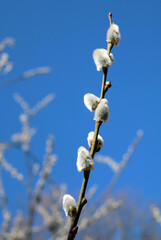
(102, 111)
(100, 142)
(68, 203)
(113, 35)
(84, 160)
(101, 59)
(91, 101)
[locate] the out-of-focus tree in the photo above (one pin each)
(132, 221)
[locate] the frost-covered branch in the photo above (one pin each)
(156, 213)
(5, 211)
(28, 74)
(110, 205)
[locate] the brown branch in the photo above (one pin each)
(105, 87)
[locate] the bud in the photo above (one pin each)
(84, 160)
(99, 144)
(113, 34)
(102, 111)
(69, 205)
(101, 59)
(91, 101)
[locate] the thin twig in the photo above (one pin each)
(30, 197)
(27, 74)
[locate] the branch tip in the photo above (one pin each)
(110, 18)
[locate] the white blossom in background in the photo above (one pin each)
(156, 213)
(91, 101)
(109, 206)
(58, 195)
(23, 104)
(47, 217)
(30, 112)
(40, 105)
(84, 160)
(6, 218)
(109, 161)
(3, 59)
(5, 64)
(6, 42)
(8, 68)
(101, 59)
(49, 162)
(46, 170)
(27, 133)
(49, 210)
(18, 230)
(113, 34)
(102, 111)
(56, 215)
(23, 118)
(4, 146)
(100, 142)
(6, 215)
(91, 192)
(12, 170)
(69, 204)
(50, 144)
(24, 137)
(131, 149)
(87, 238)
(36, 71)
(35, 168)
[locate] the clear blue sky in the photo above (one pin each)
(63, 35)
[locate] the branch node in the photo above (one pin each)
(83, 202)
(107, 86)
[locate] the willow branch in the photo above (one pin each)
(81, 203)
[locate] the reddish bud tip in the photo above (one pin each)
(100, 122)
(73, 233)
(75, 230)
(110, 18)
(107, 85)
(98, 149)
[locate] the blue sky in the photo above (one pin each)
(63, 35)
